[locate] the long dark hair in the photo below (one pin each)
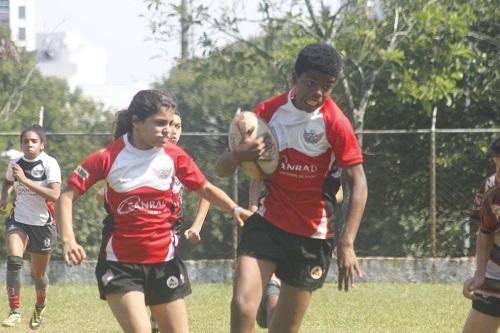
(144, 104)
(34, 128)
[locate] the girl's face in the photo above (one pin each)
(177, 129)
(154, 131)
(31, 145)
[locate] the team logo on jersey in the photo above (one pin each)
(163, 173)
(81, 172)
(312, 136)
(172, 282)
(316, 272)
(107, 277)
(135, 204)
(37, 171)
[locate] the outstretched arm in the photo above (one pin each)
(73, 253)
(193, 233)
(219, 198)
(347, 262)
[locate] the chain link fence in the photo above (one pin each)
(401, 167)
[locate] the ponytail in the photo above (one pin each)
(123, 123)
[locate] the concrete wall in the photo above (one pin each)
(376, 269)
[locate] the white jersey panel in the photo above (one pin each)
(134, 168)
(299, 130)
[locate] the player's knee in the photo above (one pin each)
(244, 306)
(14, 263)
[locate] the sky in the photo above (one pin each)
(133, 59)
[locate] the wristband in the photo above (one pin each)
(234, 209)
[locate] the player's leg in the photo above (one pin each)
(480, 322)
(172, 316)
(484, 315)
(167, 284)
(16, 242)
(43, 240)
(251, 275)
(290, 310)
(129, 309)
(39, 264)
(269, 301)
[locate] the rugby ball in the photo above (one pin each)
(247, 124)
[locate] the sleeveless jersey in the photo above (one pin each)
(139, 197)
(308, 144)
(30, 207)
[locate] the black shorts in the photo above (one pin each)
(302, 262)
(161, 283)
(488, 305)
(41, 239)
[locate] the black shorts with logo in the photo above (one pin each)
(302, 262)
(41, 239)
(161, 283)
(488, 305)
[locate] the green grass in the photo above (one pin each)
(369, 308)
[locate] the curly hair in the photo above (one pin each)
(319, 57)
(494, 147)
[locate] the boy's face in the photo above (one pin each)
(176, 130)
(311, 90)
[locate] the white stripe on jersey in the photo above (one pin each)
(134, 168)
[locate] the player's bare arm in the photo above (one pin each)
(220, 199)
(50, 193)
(193, 233)
(73, 253)
(347, 262)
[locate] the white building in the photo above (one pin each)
(19, 16)
(69, 56)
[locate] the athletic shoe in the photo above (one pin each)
(272, 289)
(37, 317)
(13, 319)
(155, 330)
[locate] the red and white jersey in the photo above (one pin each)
(177, 191)
(139, 195)
(490, 223)
(487, 184)
(308, 144)
(30, 207)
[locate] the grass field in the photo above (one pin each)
(369, 308)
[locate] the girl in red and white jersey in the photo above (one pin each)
(36, 178)
(138, 265)
(484, 287)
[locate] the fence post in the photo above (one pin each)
(433, 183)
(235, 226)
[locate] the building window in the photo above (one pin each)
(21, 34)
(22, 12)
